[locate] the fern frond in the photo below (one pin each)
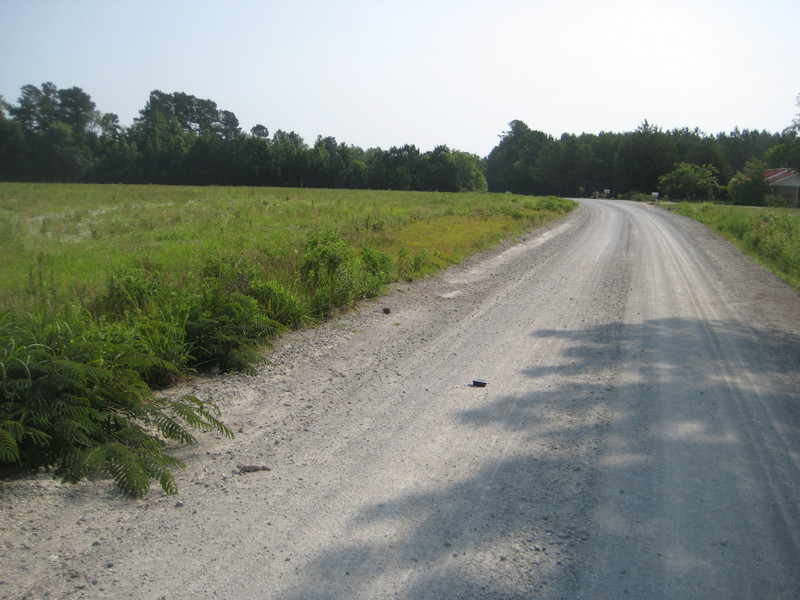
(69, 465)
(13, 428)
(132, 436)
(9, 449)
(198, 413)
(92, 460)
(73, 432)
(158, 469)
(167, 482)
(39, 438)
(143, 362)
(172, 430)
(97, 373)
(127, 470)
(76, 393)
(72, 371)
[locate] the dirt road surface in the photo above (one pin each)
(639, 437)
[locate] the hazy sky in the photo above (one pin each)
(385, 73)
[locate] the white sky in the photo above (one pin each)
(386, 73)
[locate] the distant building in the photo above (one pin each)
(784, 183)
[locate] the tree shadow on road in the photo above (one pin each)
(600, 408)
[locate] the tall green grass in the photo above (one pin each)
(770, 235)
(110, 293)
(63, 242)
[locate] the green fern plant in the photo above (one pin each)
(73, 401)
(228, 331)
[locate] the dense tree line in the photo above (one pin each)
(54, 134)
(689, 162)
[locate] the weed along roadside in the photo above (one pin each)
(769, 235)
(112, 293)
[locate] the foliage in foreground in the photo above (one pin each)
(73, 399)
(76, 391)
(772, 236)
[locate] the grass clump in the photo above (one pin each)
(770, 235)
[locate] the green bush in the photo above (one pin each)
(128, 289)
(637, 196)
(233, 275)
(280, 304)
(72, 400)
(230, 273)
(775, 202)
(691, 182)
(227, 331)
(163, 334)
(219, 322)
(331, 274)
(323, 254)
(775, 238)
(748, 187)
(410, 267)
(379, 267)
(555, 204)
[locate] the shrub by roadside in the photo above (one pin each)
(73, 398)
(771, 236)
(77, 393)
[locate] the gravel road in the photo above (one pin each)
(639, 437)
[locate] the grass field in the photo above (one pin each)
(62, 243)
(770, 235)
